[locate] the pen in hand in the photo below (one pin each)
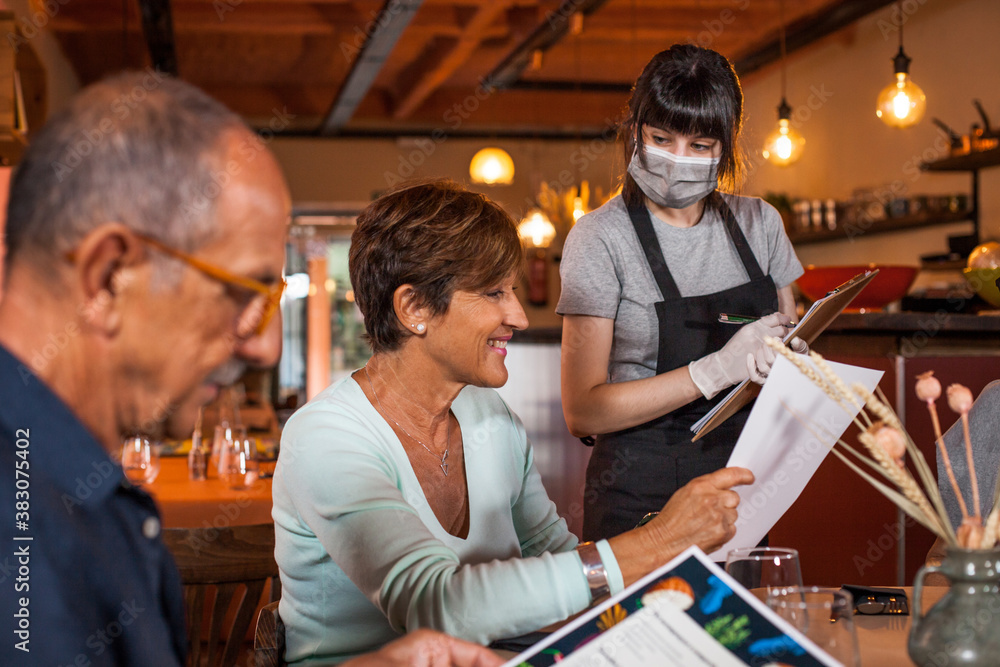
(727, 318)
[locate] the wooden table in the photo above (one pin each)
(882, 639)
(188, 504)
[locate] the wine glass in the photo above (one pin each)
(761, 569)
(238, 465)
(224, 440)
(824, 615)
(140, 460)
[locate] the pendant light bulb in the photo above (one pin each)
(492, 166)
(784, 145)
(902, 103)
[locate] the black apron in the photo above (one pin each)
(635, 471)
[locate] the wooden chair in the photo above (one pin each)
(228, 567)
(269, 638)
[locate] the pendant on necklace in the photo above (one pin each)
(444, 466)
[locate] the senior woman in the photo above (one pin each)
(406, 495)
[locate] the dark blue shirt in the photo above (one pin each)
(84, 576)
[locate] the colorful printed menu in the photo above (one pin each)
(688, 612)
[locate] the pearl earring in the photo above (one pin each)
(421, 327)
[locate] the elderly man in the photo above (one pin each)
(145, 244)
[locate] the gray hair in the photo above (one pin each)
(139, 148)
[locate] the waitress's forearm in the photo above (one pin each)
(609, 407)
(786, 302)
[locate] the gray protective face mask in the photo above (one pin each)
(674, 181)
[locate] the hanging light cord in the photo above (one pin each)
(901, 61)
(781, 10)
(899, 7)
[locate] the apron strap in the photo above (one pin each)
(643, 225)
(654, 254)
(736, 235)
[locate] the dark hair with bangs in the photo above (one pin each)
(436, 236)
(688, 90)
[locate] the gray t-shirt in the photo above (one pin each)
(605, 273)
(984, 425)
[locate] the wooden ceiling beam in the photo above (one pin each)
(298, 18)
(548, 33)
(806, 30)
(369, 3)
(387, 28)
(451, 109)
(436, 73)
(446, 112)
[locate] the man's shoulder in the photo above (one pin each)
(85, 567)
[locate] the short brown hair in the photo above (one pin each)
(436, 236)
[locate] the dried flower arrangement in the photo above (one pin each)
(564, 205)
(888, 447)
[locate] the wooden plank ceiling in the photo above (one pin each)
(408, 66)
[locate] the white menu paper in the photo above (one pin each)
(791, 429)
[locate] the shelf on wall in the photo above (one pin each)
(968, 162)
(860, 229)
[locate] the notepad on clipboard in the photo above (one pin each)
(819, 316)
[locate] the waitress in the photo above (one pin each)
(644, 280)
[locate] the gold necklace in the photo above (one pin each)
(447, 447)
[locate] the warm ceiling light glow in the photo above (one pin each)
(783, 146)
(536, 230)
(492, 166)
(901, 104)
(578, 210)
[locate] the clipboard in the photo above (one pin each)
(819, 316)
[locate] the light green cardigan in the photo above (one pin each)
(363, 558)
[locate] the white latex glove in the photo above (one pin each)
(714, 372)
(759, 361)
(798, 345)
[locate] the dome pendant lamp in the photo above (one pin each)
(901, 103)
(784, 145)
(492, 166)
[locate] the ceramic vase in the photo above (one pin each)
(963, 628)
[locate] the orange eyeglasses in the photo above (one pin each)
(257, 313)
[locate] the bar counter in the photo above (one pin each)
(953, 325)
